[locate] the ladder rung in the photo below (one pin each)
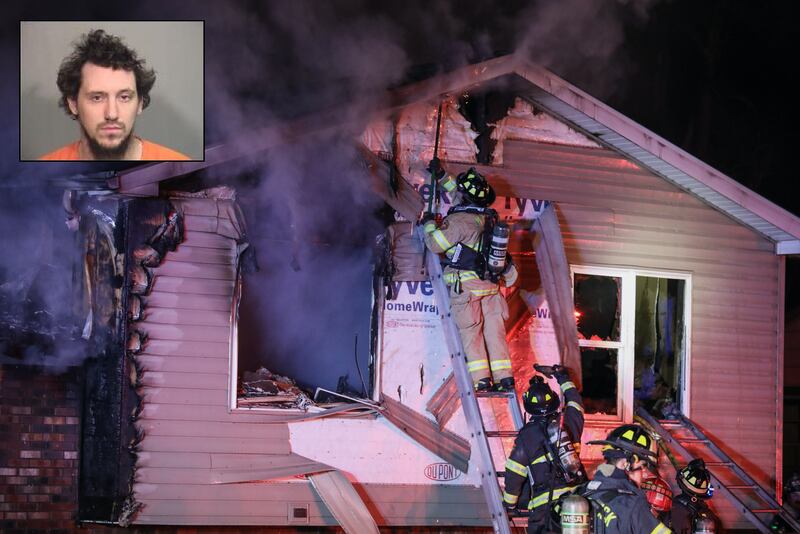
(494, 394)
(739, 486)
(501, 433)
(764, 511)
(669, 422)
(692, 440)
(719, 464)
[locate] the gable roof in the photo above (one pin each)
(566, 102)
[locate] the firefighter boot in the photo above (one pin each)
(484, 384)
(505, 384)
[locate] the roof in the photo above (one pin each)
(564, 101)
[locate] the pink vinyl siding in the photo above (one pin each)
(613, 213)
(192, 442)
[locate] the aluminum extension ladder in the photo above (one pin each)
(755, 515)
(469, 400)
(516, 422)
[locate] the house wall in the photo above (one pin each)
(193, 443)
(191, 439)
(614, 213)
(611, 212)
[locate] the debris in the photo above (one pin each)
(141, 279)
(266, 389)
(136, 341)
(135, 308)
(147, 256)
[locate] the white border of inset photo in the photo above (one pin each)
(174, 49)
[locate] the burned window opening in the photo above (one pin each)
(659, 344)
(600, 369)
(633, 322)
(303, 315)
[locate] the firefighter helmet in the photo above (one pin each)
(475, 188)
(695, 479)
(632, 439)
(658, 493)
(540, 400)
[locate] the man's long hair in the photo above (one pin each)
(103, 50)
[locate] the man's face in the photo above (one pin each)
(106, 106)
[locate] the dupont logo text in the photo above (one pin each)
(441, 472)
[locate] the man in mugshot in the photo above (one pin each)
(104, 87)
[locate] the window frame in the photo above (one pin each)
(625, 347)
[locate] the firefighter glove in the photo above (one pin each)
(427, 217)
(510, 275)
(560, 373)
(435, 168)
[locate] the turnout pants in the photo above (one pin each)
(480, 312)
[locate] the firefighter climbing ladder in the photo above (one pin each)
(517, 421)
(724, 462)
(469, 402)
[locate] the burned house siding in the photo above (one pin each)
(192, 440)
(613, 213)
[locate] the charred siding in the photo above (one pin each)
(190, 435)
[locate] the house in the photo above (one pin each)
(678, 273)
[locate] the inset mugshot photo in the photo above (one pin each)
(113, 90)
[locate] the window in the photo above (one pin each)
(633, 333)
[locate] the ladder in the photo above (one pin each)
(516, 422)
(699, 438)
(469, 400)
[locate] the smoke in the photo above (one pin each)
(313, 217)
(313, 221)
(583, 40)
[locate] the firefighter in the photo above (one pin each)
(619, 507)
(656, 489)
(546, 450)
(478, 307)
(690, 508)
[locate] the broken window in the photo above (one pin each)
(631, 331)
(597, 310)
(658, 343)
(303, 315)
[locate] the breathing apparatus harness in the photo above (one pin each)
(491, 259)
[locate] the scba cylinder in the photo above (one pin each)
(703, 524)
(498, 248)
(575, 515)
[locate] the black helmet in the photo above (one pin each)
(540, 400)
(475, 188)
(695, 479)
(631, 439)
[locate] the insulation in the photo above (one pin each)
(407, 253)
(524, 122)
(416, 135)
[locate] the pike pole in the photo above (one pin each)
(434, 188)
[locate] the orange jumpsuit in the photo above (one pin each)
(479, 309)
(150, 151)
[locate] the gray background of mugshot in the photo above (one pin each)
(174, 49)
